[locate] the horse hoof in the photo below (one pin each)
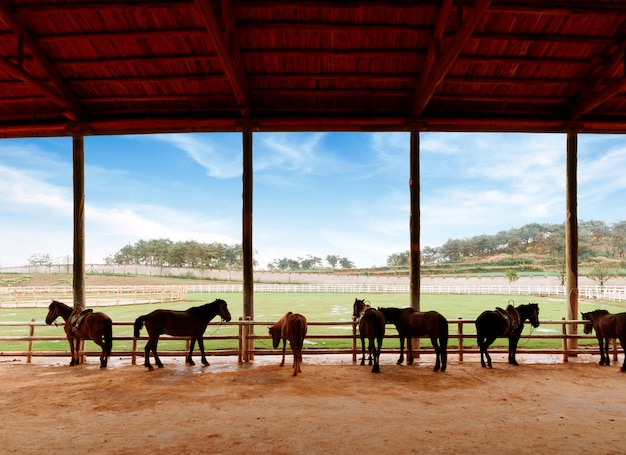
(150, 368)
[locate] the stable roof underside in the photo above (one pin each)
(115, 67)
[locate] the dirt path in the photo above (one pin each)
(338, 407)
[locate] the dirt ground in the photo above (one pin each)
(333, 406)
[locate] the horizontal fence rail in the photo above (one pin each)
(247, 343)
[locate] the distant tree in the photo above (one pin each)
(346, 263)
(40, 259)
(332, 260)
(511, 275)
(398, 259)
(600, 275)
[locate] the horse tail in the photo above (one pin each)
(443, 336)
(108, 336)
(139, 324)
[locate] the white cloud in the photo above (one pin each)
(221, 156)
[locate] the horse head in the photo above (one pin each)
(276, 334)
(358, 308)
(223, 310)
(53, 312)
(534, 315)
(588, 325)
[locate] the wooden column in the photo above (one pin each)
(248, 261)
(414, 253)
(571, 235)
(78, 159)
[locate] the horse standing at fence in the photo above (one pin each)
(508, 322)
(607, 326)
(189, 323)
(291, 327)
(410, 323)
(84, 325)
(371, 325)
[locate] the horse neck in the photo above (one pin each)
(525, 312)
(64, 311)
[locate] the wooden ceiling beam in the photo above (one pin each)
(66, 98)
(427, 87)
(223, 35)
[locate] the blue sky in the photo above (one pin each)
(314, 193)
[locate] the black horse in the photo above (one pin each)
(191, 323)
(371, 325)
(492, 324)
(411, 323)
(607, 326)
(86, 325)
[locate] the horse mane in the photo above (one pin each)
(206, 308)
(599, 312)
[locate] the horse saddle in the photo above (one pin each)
(77, 318)
(511, 317)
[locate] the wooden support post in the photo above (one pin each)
(460, 332)
(248, 260)
(414, 253)
(78, 283)
(571, 237)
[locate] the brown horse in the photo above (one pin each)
(291, 327)
(189, 323)
(411, 323)
(86, 325)
(509, 322)
(371, 325)
(607, 326)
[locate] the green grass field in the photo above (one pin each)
(316, 307)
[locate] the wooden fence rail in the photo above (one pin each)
(248, 341)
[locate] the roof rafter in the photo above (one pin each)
(66, 99)
(592, 95)
(427, 88)
(227, 47)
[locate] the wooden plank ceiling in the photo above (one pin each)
(131, 66)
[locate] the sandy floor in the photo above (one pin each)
(333, 406)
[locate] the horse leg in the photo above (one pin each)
(103, 354)
(435, 344)
(601, 344)
(157, 360)
(205, 362)
(622, 341)
(70, 338)
(409, 351)
(606, 351)
(362, 349)
(146, 349)
(376, 367)
(401, 359)
(488, 342)
(282, 363)
(192, 345)
(513, 340)
(370, 349)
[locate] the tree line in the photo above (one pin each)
(595, 239)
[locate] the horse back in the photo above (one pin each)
(294, 328)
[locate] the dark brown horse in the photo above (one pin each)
(86, 325)
(371, 325)
(509, 323)
(189, 323)
(411, 323)
(291, 327)
(607, 326)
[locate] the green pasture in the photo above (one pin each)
(334, 307)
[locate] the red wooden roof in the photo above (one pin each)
(133, 66)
